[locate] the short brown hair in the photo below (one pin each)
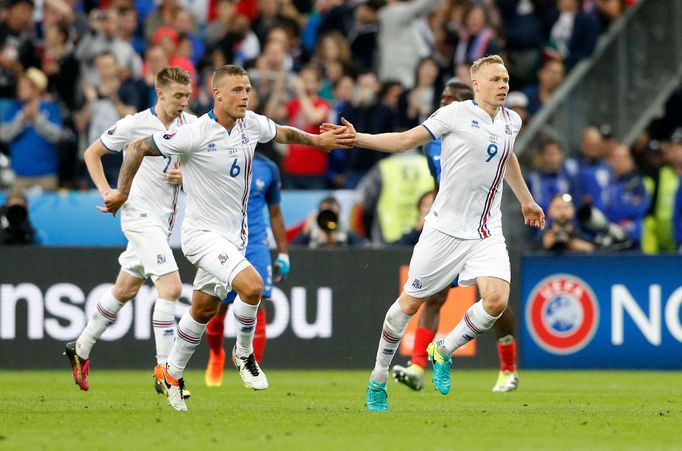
(482, 62)
(228, 70)
(172, 74)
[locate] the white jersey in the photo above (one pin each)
(474, 157)
(216, 171)
(152, 200)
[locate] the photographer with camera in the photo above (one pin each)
(324, 228)
(15, 225)
(617, 224)
(562, 233)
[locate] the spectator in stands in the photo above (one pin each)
(574, 32)
(401, 45)
(658, 233)
(550, 76)
(416, 105)
(304, 166)
(561, 233)
(347, 167)
(223, 25)
(274, 13)
(363, 35)
(129, 30)
(106, 102)
(105, 37)
(17, 48)
(523, 22)
(324, 227)
(608, 11)
(32, 127)
(61, 66)
(162, 16)
(589, 172)
(169, 39)
(423, 206)
(186, 26)
(155, 59)
(627, 200)
(389, 193)
(15, 224)
(551, 178)
(478, 38)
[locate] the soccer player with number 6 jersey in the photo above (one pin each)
(463, 231)
(216, 152)
(146, 219)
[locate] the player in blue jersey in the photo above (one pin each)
(265, 193)
(413, 374)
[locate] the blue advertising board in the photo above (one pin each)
(615, 311)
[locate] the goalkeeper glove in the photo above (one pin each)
(281, 268)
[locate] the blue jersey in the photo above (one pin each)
(265, 191)
(545, 185)
(627, 202)
(590, 179)
(432, 151)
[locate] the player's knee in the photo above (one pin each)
(124, 293)
(203, 312)
(436, 301)
(251, 293)
(495, 302)
(171, 291)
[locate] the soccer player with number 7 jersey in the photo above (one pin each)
(216, 152)
(463, 231)
(147, 220)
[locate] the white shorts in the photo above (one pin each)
(148, 253)
(218, 261)
(438, 258)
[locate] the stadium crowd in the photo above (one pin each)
(70, 68)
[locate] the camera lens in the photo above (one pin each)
(328, 220)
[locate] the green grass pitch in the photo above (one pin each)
(324, 410)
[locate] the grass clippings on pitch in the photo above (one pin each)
(324, 410)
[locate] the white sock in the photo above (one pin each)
(245, 315)
(474, 322)
(163, 323)
(391, 333)
(189, 333)
(104, 316)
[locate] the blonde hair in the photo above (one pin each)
(172, 74)
(226, 71)
(482, 62)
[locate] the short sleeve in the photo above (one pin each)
(443, 121)
(273, 195)
(267, 128)
(118, 136)
(174, 142)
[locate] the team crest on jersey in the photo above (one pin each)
(160, 259)
(417, 284)
(212, 147)
(169, 135)
(474, 123)
(245, 139)
(562, 314)
(260, 183)
(111, 131)
(223, 258)
(508, 129)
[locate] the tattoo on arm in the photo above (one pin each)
(292, 135)
(131, 163)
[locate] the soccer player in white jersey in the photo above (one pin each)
(463, 231)
(146, 219)
(216, 153)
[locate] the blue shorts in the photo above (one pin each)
(259, 256)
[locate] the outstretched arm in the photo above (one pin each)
(386, 142)
(338, 138)
(131, 163)
(532, 213)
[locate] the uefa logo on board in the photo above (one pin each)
(562, 314)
